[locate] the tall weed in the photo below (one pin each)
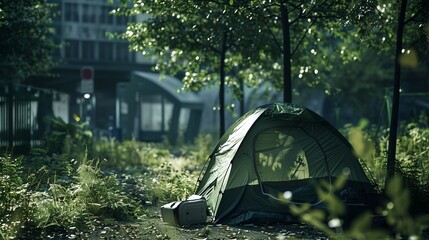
(15, 210)
(92, 196)
(67, 138)
(167, 183)
(199, 151)
(129, 154)
(412, 156)
(396, 212)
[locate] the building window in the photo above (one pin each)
(105, 16)
(88, 50)
(121, 20)
(72, 49)
(122, 53)
(88, 13)
(71, 12)
(106, 51)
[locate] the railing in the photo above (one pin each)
(22, 109)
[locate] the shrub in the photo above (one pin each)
(200, 150)
(129, 154)
(412, 154)
(396, 211)
(93, 196)
(27, 211)
(15, 211)
(67, 138)
(166, 184)
(40, 168)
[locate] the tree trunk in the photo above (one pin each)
(391, 153)
(222, 85)
(287, 72)
(242, 97)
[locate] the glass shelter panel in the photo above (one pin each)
(156, 113)
(184, 119)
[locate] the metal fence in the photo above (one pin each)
(22, 110)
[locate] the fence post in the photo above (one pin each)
(9, 104)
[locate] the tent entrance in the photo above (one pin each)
(286, 155)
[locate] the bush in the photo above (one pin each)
(31, 210)
(129, 154)
(166, 183)
(200, 150)
(93, 196)
(40, 168)
(396, 212)
(412, 154)
(15, 210)
(71, 139)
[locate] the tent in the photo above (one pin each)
(271, 150)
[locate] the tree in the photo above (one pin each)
(397, 24)
(307, 36)
(26, 46)
(207, 40)
(27, 39)
(391, 155)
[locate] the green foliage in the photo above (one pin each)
(350, 96)
(43, 168)
(84, 195)
(200, 150)
(396, 212)
(377, 28)
(68, 138)
(129, 154)
(413, 152)
(27, 38)
(93, 196)
(168, 183)
(166, 178)
(10, 176)
(370, 145)
(15, 210)
(80, 196)
(370, 148)
(322, 37)
(412, 162)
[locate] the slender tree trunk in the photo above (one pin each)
(287, 72)
(391, 153)
(222, 85)
(242, 97)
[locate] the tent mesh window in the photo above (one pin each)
(284, 158)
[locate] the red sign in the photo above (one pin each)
(87, 73)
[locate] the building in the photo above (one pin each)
(81, 29)
(91, 64)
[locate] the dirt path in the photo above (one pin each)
(155, 228)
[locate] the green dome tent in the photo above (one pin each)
(271, 150)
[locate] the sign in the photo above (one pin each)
(87, 79)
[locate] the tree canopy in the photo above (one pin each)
(27, 38)
(276, 41)
(208, 41)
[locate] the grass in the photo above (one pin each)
(61, 194)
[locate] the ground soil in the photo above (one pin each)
(151, 227)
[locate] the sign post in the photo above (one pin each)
(87, 89)
(87, 80)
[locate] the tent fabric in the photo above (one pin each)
(270, 150)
